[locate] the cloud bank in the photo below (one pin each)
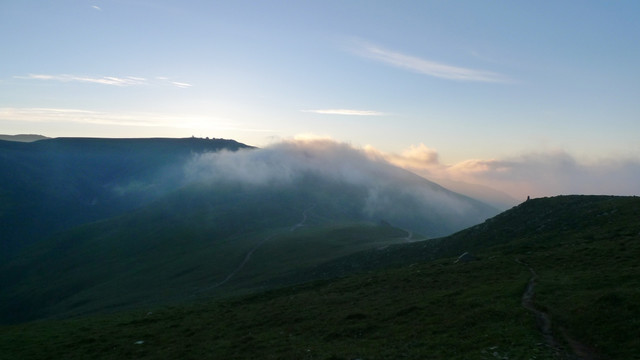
(384, 191)
(533, 174)
(285, 162)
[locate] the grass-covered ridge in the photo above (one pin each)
(584, 250)
(433, 310)
(199, 242)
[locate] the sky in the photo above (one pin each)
(527, 96)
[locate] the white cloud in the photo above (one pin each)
(181, 84)
(83, 116)
(136, 119)
(106, 80)
(418, 157)
(351, 112)
(376, 188)
(96, 7)
(423, 66)
(535, 174)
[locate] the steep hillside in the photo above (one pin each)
(200, 217)
(572, 259)
(437, 310)
(54, 184)
(582, 249)
(196, 242)
(379, 190)
(550, 222)
(538, 223)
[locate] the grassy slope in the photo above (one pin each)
(584, 250)
(590, 277)
(176, 251)
(54, 184)
(436, 310)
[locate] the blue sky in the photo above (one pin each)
(493, 81)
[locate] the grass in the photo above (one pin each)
(433, 310)
(584, 250)
(591, 284)
(167, 255)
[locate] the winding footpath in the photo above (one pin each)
(304, 219)
(543, 321)
(256, 247)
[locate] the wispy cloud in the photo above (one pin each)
(97, 7)
(181, 84)
(84, 116)
(345, 112)
(424, 66)
(105, 80)
(126, 119)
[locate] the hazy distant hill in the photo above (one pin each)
(493, 197)
(542, 222)
(22, 137)
(53, 184)
(177, 219)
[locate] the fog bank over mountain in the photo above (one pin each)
(390, 193)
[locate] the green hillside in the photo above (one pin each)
(52, 185)
(582, 249)
(195, 243)
(216, 234)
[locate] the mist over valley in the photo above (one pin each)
(193, 217)
(146, 229)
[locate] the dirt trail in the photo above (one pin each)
(256, 247)
(304, 218)
(543, 321)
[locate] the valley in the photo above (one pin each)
(320, 180)
(219, 264)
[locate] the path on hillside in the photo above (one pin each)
(304, 218)
(256, 247)
(543, 322)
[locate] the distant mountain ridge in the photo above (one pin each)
(124, 222)
(53, 184)
(23, 137)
